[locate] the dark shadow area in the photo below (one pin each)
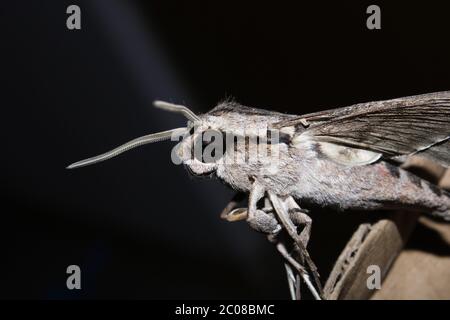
(428, 240)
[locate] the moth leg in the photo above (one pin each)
(298, 295)
(267, 205)
(282, 209)
(231, 212)
(292, 281)
(237, 214)
(264, 222)
(299, 268)
(260, 220)
(292, 277)
(300, 219)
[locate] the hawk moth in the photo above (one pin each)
(345, 159)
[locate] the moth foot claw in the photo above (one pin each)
(237, 214)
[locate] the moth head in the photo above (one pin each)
(202, 147)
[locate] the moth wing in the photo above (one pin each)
(392, 128)
(346, 155)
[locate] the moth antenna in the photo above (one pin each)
(150, 138)
(176, 108)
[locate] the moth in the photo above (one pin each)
(344, 159)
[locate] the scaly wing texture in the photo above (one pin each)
(399, 127)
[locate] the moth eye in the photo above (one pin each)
(191, 131)
(213, 138)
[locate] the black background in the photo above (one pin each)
(138, 226)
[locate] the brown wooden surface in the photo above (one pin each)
(422, 270)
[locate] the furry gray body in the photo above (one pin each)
(321, 182)
(312, 178)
